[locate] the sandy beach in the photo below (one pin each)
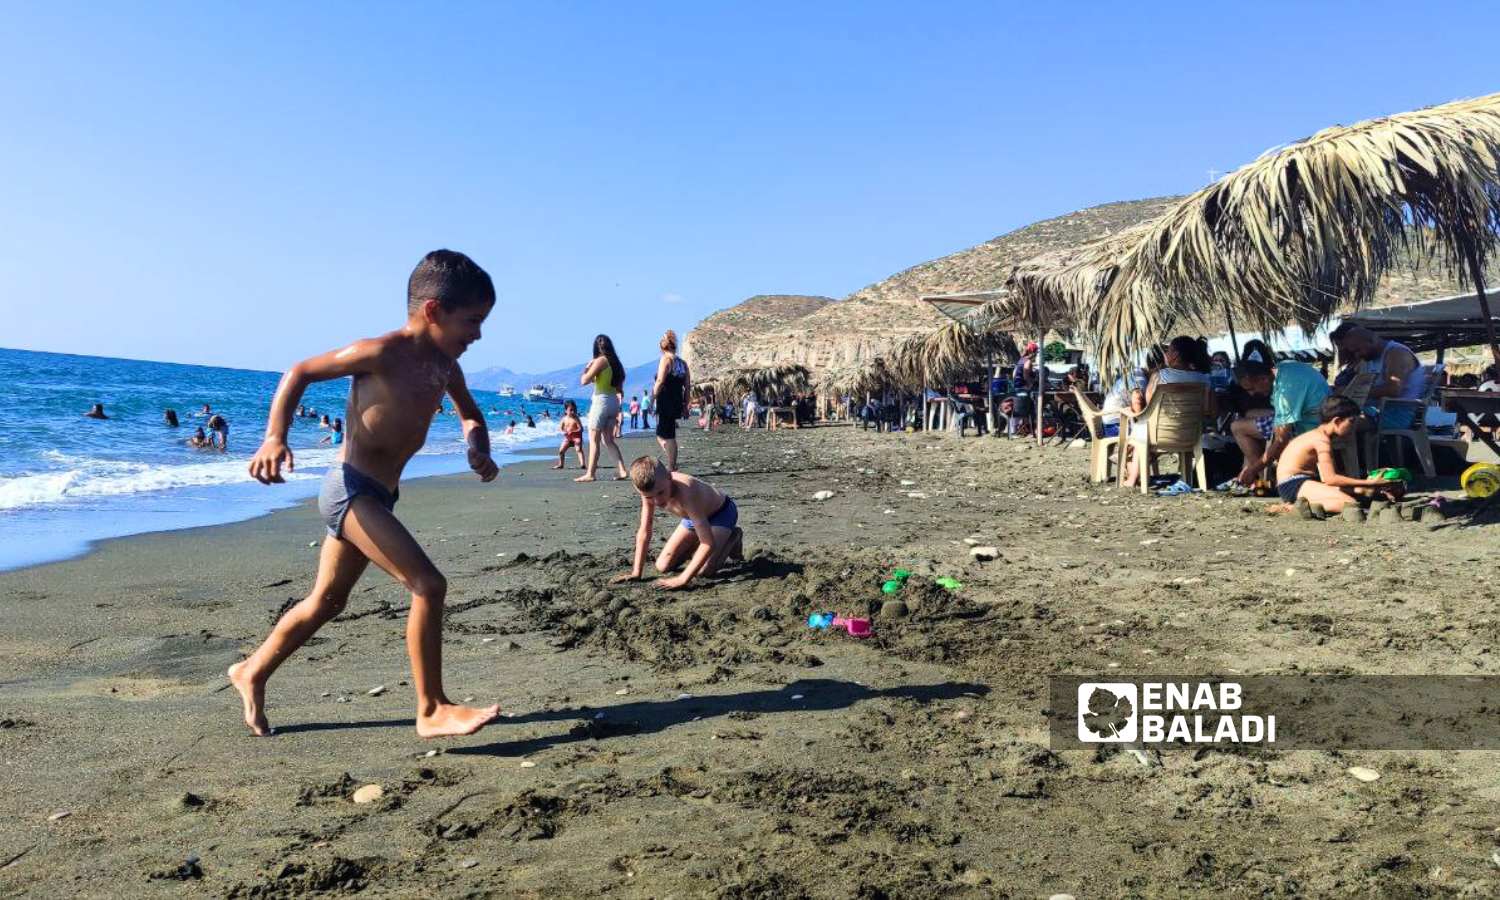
(706, 742)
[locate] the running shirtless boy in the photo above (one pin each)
(708, 531)
(399, 380)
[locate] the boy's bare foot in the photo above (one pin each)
(254, 697)
(452, 720)
(584, 478)
(558, 466)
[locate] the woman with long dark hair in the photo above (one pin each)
(673, 387)
(607, 375)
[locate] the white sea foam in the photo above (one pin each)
(80, 478)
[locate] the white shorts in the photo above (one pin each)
(603, 412)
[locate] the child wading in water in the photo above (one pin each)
(399, 382)
(572, 435)
(1307, 471)
(707, 531)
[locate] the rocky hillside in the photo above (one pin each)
(719, 343)
(867, 322)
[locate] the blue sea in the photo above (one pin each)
(66, 481)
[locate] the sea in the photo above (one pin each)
(67, 481)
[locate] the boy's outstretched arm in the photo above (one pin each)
(476, 432)
(701, 556)
(358, 358)
(642, 544)
(1328, 473)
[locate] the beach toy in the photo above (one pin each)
(900, 574)
(856, 627)
(890, 587)
(820, 620)
(949, 582)
(1480, 480)
(1392, 474)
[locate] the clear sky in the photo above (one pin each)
(247, 184)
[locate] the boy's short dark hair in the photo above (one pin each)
(450, 278)
(643, 473)
(1249, 368)
(1336, 406)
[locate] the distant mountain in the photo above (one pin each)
(637, 379)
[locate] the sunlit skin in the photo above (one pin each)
(1312, 454)
(399, 380)
(689, 498)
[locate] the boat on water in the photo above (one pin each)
(507, 390)
(545, 393)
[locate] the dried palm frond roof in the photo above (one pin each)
(1311, 226)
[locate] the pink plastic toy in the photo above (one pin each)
(859, 628)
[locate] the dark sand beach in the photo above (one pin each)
(706, 742)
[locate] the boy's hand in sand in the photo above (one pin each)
(483, 464)
(671, 584)
(622, 579)
(265, 465)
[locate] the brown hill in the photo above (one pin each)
(823, 334)
(714, 346)
(870, 320)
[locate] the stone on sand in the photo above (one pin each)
(376, 691)
(984, 554)
(1360, 773)
(369, 793)
(823, 495)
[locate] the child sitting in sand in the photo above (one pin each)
(399, 380)
(1306, 465)
(572, 434)
(708, 530)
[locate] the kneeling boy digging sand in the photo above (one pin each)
(707, 531)
(1306, 466)
(399, 380)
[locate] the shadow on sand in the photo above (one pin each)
(651, 716)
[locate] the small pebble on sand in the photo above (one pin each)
(823, 495)
(984, 553)
(527, 764)
(376, 691)
(369, 793)
(622, 692)
(59, 815)
(1361, 773)
(796, 696)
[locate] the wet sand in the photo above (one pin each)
(705, 742)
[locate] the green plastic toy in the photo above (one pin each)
(949, 582)
(890, 587)
(900, 574)
(1392, 474)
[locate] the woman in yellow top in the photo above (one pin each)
(608, 378)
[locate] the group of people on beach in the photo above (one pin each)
(399, 380)
(668, 398)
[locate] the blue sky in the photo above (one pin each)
(247, 185)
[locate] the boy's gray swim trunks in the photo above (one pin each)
(340, 486)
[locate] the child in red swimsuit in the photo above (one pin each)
(572, 434)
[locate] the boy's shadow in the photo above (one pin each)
(651, 716)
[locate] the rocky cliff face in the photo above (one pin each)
(721, 342)
(865, 324)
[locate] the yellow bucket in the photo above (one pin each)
(1480, 480)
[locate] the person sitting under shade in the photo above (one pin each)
(1296, 390)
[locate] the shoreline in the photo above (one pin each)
(42, 535)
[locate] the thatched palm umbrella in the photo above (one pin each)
(1309, 227)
